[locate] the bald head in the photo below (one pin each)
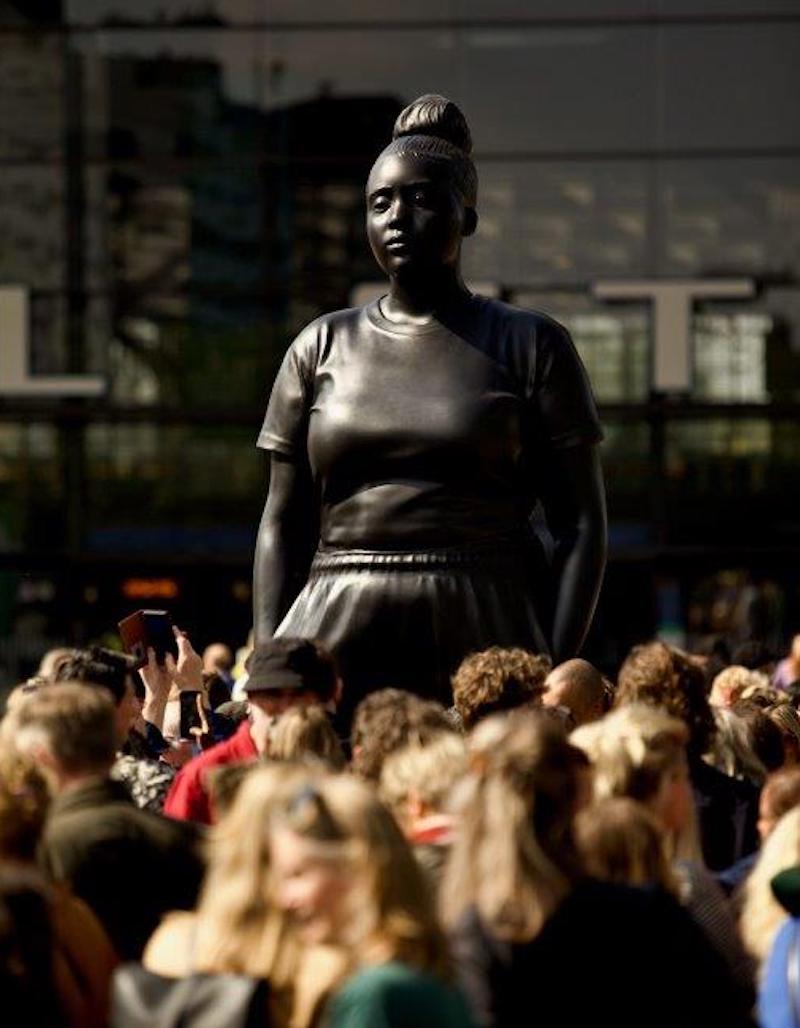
(217, 657)
(578, 685)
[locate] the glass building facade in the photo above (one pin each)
(181, 189)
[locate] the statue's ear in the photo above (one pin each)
(470, 221)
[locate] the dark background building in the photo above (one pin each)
(181, 189)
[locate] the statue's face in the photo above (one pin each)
(415, 218)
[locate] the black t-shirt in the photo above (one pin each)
(609, 955)
(428, 435)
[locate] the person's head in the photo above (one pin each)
(663, 676)
(787, 720)
(497, 679)
(69, 729)
(385, 721)
(417, 780)
(303, 733)
(514, 856)
(422, 191)
(761, 912)
(110, 670)
(621, 841)
(729, 685)
(217, 657)
(578, 686)
(286, 672)
(639, 751)
(24, 801)
(344, 875)
(780, 794)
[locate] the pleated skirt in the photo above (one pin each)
(407, 619)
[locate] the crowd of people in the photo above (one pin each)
(555, 848)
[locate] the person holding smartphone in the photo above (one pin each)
(283, 672)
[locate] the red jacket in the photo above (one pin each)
(188, 799)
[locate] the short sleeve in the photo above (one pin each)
(564, 408)
(286, 421)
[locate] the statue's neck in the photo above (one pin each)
(417, 299)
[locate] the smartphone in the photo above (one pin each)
(190, 715)
(145, 629)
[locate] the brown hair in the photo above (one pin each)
(388, 719)
(497, 679)
(75, 722)
(429, 772)
(633, 750)
(663, 676)
(621, 841)
(24, 800)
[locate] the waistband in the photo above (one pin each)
(495, 554)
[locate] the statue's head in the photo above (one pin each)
(422, 190)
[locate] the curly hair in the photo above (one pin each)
(497, 680)
(663, 676)
(387, 720)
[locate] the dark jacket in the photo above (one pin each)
(129, 865)
(609, 955)
(727, 810)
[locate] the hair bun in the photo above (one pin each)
(434, 115)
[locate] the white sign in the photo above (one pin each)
(672, 319)
(15, 377)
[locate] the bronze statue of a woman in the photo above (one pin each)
(412, 439)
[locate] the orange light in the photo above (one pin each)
(150, 588)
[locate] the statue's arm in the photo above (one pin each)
(575, 507)
(285, 545)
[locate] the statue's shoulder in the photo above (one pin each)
(524, 321)
(315, 338)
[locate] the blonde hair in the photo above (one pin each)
(761, 912)
(632, 750)
(730, 683)
(731, 751)
(514, 856)
(621, 841)
(239, 931)
(306, 731)
(429, 772)
(392, 909)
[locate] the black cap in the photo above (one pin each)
(286, 663)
